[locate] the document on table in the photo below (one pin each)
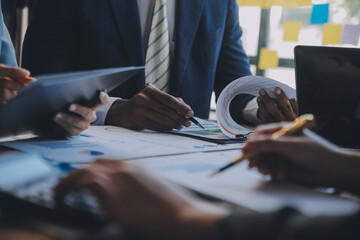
(115, 142)
(242, 186)
(211, 133)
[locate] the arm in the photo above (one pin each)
(139, 200)
(7, 56)
(307, 159)
(233, 62)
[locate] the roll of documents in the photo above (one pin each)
(248, 85)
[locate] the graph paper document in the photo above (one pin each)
(211, 133)
(115, 142)
(242, 186)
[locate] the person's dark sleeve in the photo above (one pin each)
(233, 62)
(288, 224)
(51, 41)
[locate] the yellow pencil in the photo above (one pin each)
(302, 122)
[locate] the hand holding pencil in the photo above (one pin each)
(12, 80)
(303, 122)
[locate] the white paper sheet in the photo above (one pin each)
(242, 186)
(115, 142)
(249, 85)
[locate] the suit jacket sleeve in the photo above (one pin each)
(233, 62)
(288, 224)
(51, 38)
(7, 56)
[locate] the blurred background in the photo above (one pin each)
(264, 28)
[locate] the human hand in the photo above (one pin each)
(276, 110)
(150, 109)
(142, 202)
(10, 82)
(307, 159)
(80, 117)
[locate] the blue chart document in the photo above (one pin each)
(115, 142)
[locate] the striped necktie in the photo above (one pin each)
(157, 66)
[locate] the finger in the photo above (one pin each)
(6, 94)
(157, 122)
(261, 144)
(6, 82)
(72, 124)
(265, 117)
(68, 184)
(284, 105)
(268, 131)
(88, 178)
(85, 112)
(168, 112)
(13, 72)
(294, 106)
(102, 100)
(169, 101)
(271, 107)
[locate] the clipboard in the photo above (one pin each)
(33, 109)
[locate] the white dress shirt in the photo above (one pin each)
(146, 9)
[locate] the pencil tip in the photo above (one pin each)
(214, 173)
(200, 125)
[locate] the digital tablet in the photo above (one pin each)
(33, 109)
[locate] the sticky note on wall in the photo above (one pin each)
(332, 34)
(320, 14)
(268, 59)
(291, 31)
(250, 2)
(350, 34)
(296, 3)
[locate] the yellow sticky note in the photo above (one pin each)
(291, 31)
(270, 3)
(296, 3)
(268, 59)
(250, 2)
(332, 34)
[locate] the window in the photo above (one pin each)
(264, 28)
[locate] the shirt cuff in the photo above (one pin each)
(250, 112)
(102, 111)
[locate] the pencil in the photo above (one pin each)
(302, 122)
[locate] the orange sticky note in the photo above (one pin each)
(268, 59)
(291, 31)
(332, 34)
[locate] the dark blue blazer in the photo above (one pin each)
(71, 35)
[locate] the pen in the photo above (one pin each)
(302, 122)
(196, 122)
(193, 120)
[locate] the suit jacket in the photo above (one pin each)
(7, 52)
(71, 35)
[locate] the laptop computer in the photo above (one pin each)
(328, 86)
(26, 188)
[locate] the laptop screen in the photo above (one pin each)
(328, 86)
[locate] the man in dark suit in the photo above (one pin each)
(202, 53)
